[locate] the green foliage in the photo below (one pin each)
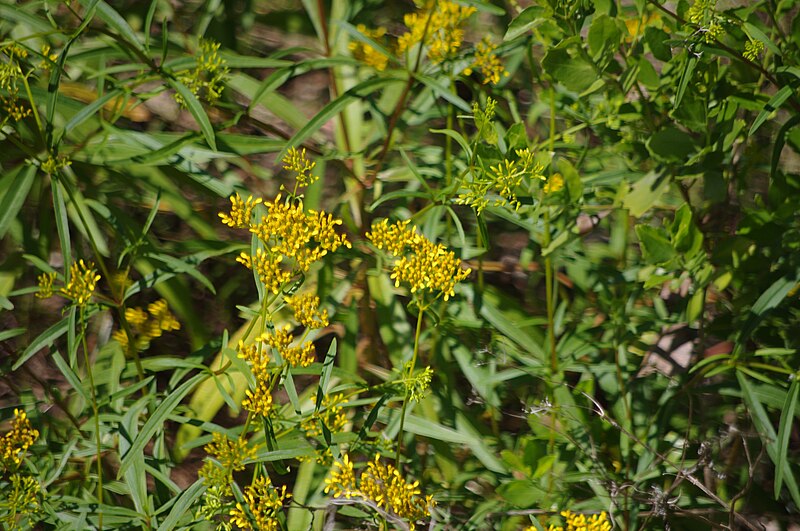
(550, 264)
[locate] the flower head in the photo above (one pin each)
(146, 326)
(364, 52)
(437, 25)
(306, 310)
(554, 184)
(420, 263)
(229, 455)
(14, 444)
(487, 61)
(383, 485)
(264, 502)
(297, 162)
(45, 281)
(241, 212)
(207, 79)
(83, 280)
(331, 414)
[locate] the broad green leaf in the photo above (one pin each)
(575, 73)
(671, 145)
(604, 36)
(656, 247)
(530, 18)
(645, 193)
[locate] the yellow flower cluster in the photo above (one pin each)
(752, 49)
(296, 356)
(502, 179)
(418, 384)
(331, 413)
(229, 456)
(22, 498)
(11, 72)
(207, 79)
(554, 184)
(297, 162)
(259, 400)
(364, 52)
(53, 164)
(241, 212)
(147, 326)
(293, 239)
(703, 13)
(580, 522)
(437, 24)
(382, 485)
(306, 310)
(420, 263)
(82, 282)
(487, 61)
(14, 444)
(45, 281)
(264, 502)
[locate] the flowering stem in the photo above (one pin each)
(408, 390)
(96, 417)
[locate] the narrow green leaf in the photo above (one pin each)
(197, 111)
(45, 339)
(334, 107)
(765, 430)
(782, 465)
(458, 137)
(15, 197)
(62, 222)
(325, 377)
(185, 503)
(156, 421)
(772, 105)
(12, 332)
(71, 377)
(118, 23)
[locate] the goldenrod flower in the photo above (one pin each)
(45, 281)
(229, 455)
(752, 49)
(297, 162)
(382, 485)
(241, 212)
(331, 413)
(306, 310)
(259, 401)
(268, 269)
(14, 444)
(427, 267)
(439, 23)
(82, 282)
(342, 480)
(146, 326)
(207, 79)
(418, 384)
(364, 52)
(488, 62)
(264, 502)
(53, 164)
(554, 184)
(21, 498)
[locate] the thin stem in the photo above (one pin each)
(96, 413)
(408, 391)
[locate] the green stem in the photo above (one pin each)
(96, 417)
(408, 391)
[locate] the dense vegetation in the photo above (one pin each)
(359, 264)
